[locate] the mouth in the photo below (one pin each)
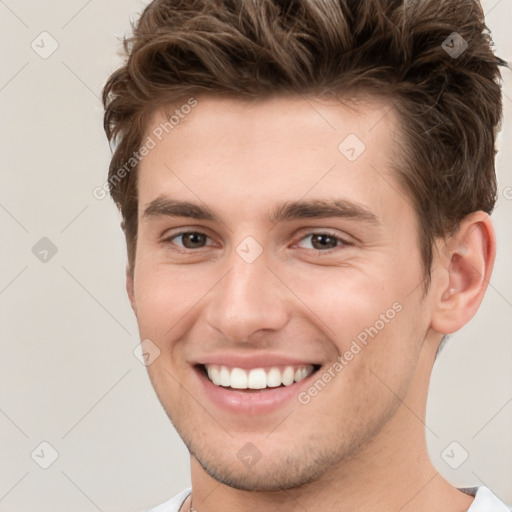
(256, 379)
(253, 385)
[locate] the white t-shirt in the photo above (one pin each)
(485, 501)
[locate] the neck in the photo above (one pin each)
(392, 472)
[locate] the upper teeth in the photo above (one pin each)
(257, 378)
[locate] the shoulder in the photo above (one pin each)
(485, 501)
(172, 505)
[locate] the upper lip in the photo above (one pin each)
(248, 362)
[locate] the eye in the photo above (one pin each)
(323, 241)
(189, 239)
(319, 241)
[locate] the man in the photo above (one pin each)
(305, 189)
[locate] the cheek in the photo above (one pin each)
(163, 295)
(373, 320)
(345, 301)
(393, 353)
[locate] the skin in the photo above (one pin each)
(359, 444)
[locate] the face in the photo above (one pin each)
(278, 273)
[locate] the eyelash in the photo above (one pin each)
(339, 241)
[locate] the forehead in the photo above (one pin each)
(274, 149)
(284, 119)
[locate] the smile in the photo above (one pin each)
(257, 378)
(253, 385)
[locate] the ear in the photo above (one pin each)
(465, 266)
(129, 288)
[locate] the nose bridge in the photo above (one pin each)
(248, 298)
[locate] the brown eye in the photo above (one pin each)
(190, 239)
(322, 241)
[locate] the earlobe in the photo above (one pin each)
(130, 288)
(464, 271)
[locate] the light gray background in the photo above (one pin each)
(68, 373)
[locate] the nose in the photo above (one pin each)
(249, 301)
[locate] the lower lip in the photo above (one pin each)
(251, 402)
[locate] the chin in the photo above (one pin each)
(279, 465)
(266, 476)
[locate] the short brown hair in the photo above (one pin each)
(449, 105)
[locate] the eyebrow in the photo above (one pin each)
(164, 206)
